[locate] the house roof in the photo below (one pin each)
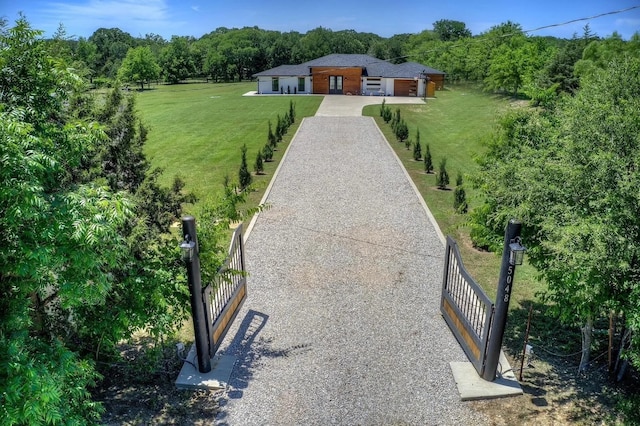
(373, 67)
(285, 70)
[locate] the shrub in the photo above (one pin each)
(428, 161)
(267, 153)
(417, 150)
(272, 140)
(402, 131)
(244, 176)
(292, 112)
(460, 197)
(387, 115)
(259, 165)
(442, 178)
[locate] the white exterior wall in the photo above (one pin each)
(264, 85)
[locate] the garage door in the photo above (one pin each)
(405, 87)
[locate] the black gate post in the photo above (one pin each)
(503, 297)
(197, 302)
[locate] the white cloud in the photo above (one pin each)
(196, 8)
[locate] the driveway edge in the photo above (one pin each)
(432, 219)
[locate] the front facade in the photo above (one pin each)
(343, 74)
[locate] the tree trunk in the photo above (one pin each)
(587, 331)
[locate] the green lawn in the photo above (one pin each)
(196, 131)
(455, 124)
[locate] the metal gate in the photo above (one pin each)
(224, 297)
(465, 307)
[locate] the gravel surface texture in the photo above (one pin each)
(341, 325)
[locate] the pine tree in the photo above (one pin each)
(417, 150)
(259, 165)
(244, 175)
(459, 196)
(428, 161)
(387, 115)
(383, 108)
(279, 129)
(442, 178)
(402, 131)
(272, 140)
(267, 153)
(292, 112)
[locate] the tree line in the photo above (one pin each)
(503, 58)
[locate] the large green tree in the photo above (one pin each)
(572, 174)
(139, 66)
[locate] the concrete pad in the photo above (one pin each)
(472, 387)
(216, 379)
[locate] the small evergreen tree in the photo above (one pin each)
(387, 115)
(402, 131)
(273, 141)
(395, 122)
(259, 165)
(267, 153)
(460, 197)
(279, 132)
(383, 108)
(442, 178)
(244, 176)
(408, 144)
(428, 161)
(292, 112)
(417, 151)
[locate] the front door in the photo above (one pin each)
(335, 85)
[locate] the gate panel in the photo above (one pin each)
(224, 297)
(465, 307)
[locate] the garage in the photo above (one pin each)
(405, 87)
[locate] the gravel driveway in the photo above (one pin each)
(341, 325)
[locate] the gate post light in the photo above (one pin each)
(187, 247)
(516, 251)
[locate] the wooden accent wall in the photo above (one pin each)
(351, 79)
(438, 79)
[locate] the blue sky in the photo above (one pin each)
(198, 17)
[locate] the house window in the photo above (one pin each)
(300, 84)
(275, 84)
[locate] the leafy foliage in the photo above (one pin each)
(571, 175)
(140, 65)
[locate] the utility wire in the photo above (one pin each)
(615, 12)
(442, 48)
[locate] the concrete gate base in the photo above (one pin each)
(473, 387)
(218, 378)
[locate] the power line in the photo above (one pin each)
(615, 12)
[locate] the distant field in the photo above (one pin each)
(196, 130)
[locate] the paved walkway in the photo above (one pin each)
(351, 106)
(341, 325)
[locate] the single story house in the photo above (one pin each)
(349, 74)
